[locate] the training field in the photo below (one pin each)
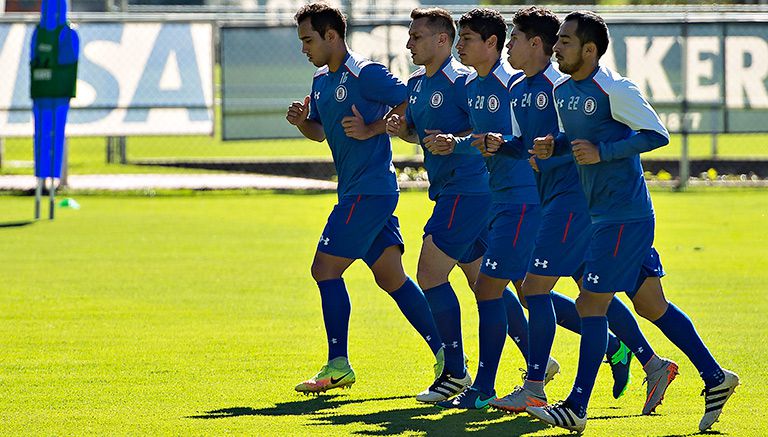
(195, 314)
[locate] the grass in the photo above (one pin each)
(194, 314)
(88, 155)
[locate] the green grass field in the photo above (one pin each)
(88, 156)
(195, 314)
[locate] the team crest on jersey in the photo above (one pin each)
(436, 100)
(590, 105)
(493, 103)
(341, 93)
(542, 100)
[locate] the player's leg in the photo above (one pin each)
(334, 254)
(572, 413)
(541, 334)
(719, 384)
(451, 376)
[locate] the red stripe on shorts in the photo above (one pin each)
(618, 241)
(567, 226)
(519, 224)
(453, 211)
(351, 210)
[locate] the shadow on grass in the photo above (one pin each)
(419, 418)
(16, 224)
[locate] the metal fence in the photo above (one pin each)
(254, 68)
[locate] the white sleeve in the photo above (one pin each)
(628, 106)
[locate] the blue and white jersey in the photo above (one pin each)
(440, 102)
(511, 180)
(609, 111)
(534, 115)
(363, 167)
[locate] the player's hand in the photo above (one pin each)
(298, 112)
(543, 147)
(439, 143)
(488, 143)
(355, 127)
(395, 125)
(585, 152)
(534, 165)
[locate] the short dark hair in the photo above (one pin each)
(486, 22)
(437, 19)
(323, 17)
(535, 21)
(590, 27)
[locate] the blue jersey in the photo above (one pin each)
(533, 115)
(609, 111)
(440, 102)
(363, 167)
(511, 180)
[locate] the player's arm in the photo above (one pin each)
(439, 143)
(402, 127)
(298, 115)
(378, 85)
(630, 107)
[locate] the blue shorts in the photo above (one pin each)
(361, 226)
(457, 221)
(561, 243)
(511, 235)
(616, 254)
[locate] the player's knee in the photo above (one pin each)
(591, 305)
(427, 279)
(390, 283)
(321, 271)
(650, 310)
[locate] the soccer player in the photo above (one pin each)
(565, 230)
(606, 123)
(458, 185)
(349, 100)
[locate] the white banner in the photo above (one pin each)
(133, 79)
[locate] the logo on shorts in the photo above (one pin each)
(539, 263)
(592, 278)
(493, 103)
(490, 264)
(324, 240)
(541, 100)
(590, 105)
(436, 100)
(341, 93)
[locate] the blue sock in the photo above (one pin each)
(493, 326)
(541, 334)
(447, 315)
(568, 318)
(517, 324)
(415, 308)
(679, 329)
(336, 309)
(594, 340)
(624, 324)
(565, 311)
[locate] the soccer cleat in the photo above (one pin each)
(620, 369)
(517, 401)
(444, 387)
(336, 373)
(559, 414)
(658, 381)
(715, 398)
(553, 368)
(469, 399)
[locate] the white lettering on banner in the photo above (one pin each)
(702, 69)
(644, 65)
(133, 79)
(746, 78)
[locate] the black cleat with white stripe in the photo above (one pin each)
(559, 414)
(444, 387)
(715, 398)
